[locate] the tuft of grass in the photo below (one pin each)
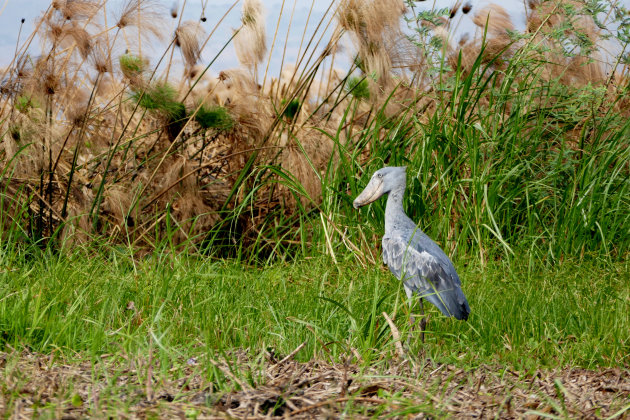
(291, 108)
(24, 102)
(358, 87)
(216, 117)
(159, 97)
(132, 65)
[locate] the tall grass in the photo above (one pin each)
(505, 177)
(508, 162)
(517, 143)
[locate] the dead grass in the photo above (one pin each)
(273, 386)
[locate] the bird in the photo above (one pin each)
(410, 254)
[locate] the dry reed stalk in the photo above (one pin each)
(250, 41)
(216, 26)
(284, 51)
(273, 43)
(379, 40)
(188, 37)
(303, 61)
(395, 335)
(145, 15)
(172, 46)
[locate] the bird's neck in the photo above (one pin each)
(394, 209)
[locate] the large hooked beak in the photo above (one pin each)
(371, 193)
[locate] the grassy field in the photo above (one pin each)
(570, 314)
(178, 319)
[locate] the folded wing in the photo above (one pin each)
(428, 273)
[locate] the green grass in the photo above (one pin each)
(569, 314)
(132, 65)
(217, 117)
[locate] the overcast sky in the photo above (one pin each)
(11, 11)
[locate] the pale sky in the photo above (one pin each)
(11, 11)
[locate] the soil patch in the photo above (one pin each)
(35, 384)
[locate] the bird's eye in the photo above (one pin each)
(379, 175)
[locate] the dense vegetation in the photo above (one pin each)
(515, 142)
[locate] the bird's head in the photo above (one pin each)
(382, 182)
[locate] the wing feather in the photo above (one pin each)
(428, 273)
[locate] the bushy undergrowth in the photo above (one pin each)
(517, 144)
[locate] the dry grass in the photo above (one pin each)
(279, 386)
(107, 157)
(93, 161)
(188, 37)
(250, 41)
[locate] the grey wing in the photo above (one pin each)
(432, 277)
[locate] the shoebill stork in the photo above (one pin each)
(410, 254)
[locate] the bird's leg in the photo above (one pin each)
(412, 319)
(423, 320)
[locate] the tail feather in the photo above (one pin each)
(450, 303)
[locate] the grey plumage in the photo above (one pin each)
(409, 253)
